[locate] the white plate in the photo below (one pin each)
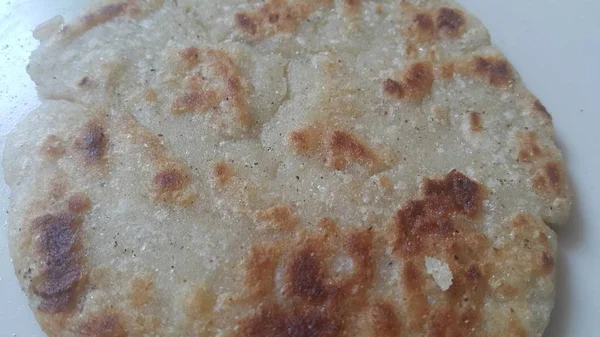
(554, 44)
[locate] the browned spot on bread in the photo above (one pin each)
(218, 87)
(528, 147)
(274, 321)
(57, 241)
(450, 22)
(195, 102)
(83, 82)
(423, 27)
(172, 182)
(248, 25)
(338, 148)
(142, 292)
(352, 8)
(547, 263)
(446, 71)
(383, 320)
(91, 142)
(222, 173)
(393, 88)
(79, 203)
(104, 324)
(428, 227)
(52, 147)
(344, 147)
(198, 303)
(475, 122)
(103, 14)
(278, 218)
(541, 110)
(260, 271)
(305, 276)
(150, 95)
(494, 70)
(190, 57)
(169, 185)
(416, 83)
(304, 141)
(550, 179)
(277, 16)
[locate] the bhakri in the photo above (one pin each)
(283, 168)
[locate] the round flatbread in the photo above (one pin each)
(283, 168)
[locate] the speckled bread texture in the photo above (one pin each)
(283, 168)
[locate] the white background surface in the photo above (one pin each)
(554, 44)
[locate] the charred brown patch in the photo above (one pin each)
(352, 8)
(546, 263)
(550, 179)
(198, 303)
(194, 102)
(416, 83)
(190, 57)
(494, 70)
(304, 141)
(393, 88)
(170, 180)
(58, 244)
(278, 218)
(219, 89)
(222, 173)
(103, 14)
(277, 16)
(105, 324)
(475, 122)
(541, 110)
(528, 147)
(446, 71)
(52, 147)
(344, 147)
(150, 95)
(384, 320)
(306, 276)
(247, 24)
(142, 292)
(424, 27)
(450, 22)
(275, 321)
(79, 203)
(260, 271)
(92, 142)
(84, 82)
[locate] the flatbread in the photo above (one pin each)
(283, 168)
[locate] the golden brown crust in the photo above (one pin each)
(222, 173)
(142, 292)
(550, 179)
(58, 243)
(92, 142)
(104, 324)
(528, 147)
(495, 70)
(277, 16)
(475, 122)
(278, 218)
(52, 147)
(450, 22)
(540, 109)
(414, 84)
(219, 86)
(338, 148)
(383, 320)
